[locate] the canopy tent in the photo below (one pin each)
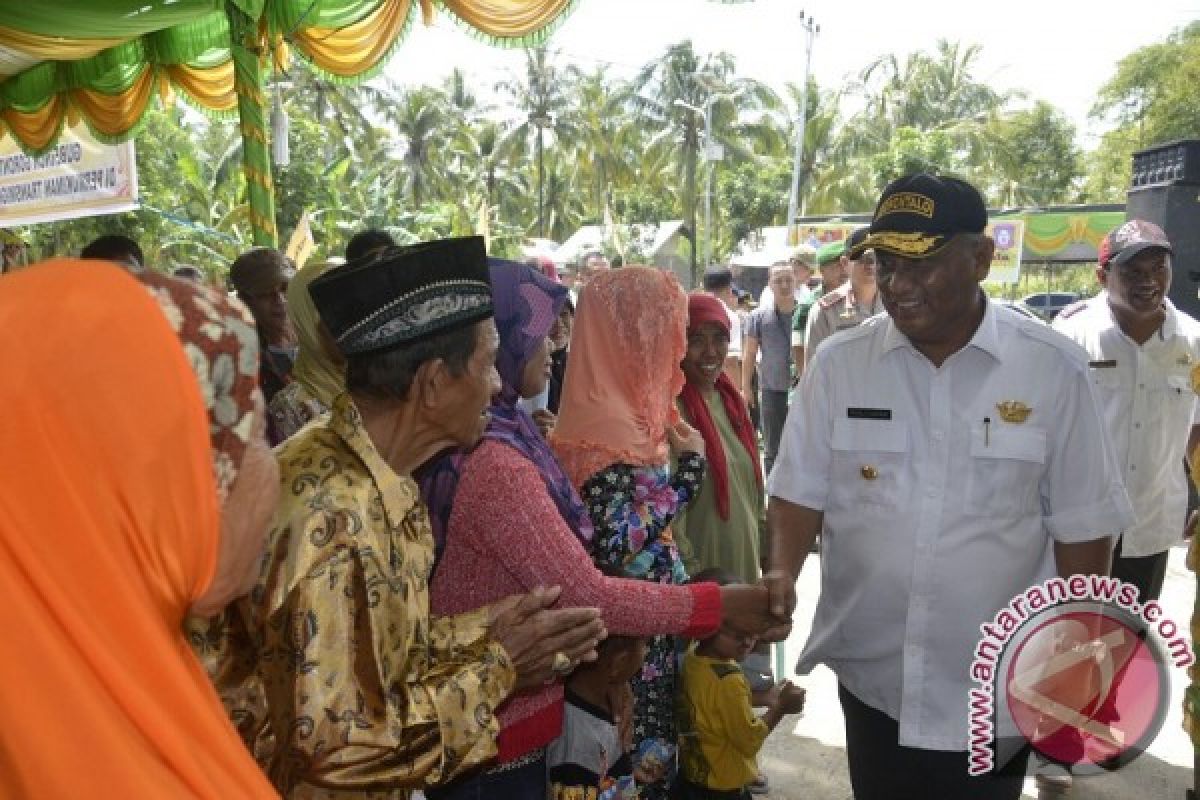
(103, 61)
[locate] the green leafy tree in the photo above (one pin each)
(1152, 98)
(1035, 159)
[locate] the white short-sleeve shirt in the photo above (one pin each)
(1145, 394)
(937, 511)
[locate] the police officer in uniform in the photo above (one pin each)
(848, 305)
(835, 270)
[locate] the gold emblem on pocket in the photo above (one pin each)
(869, 472)
(1013, 411)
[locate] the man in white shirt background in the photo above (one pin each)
(926, 448)
(1142, 350)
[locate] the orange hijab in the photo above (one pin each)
(623, 374)
(108, 532)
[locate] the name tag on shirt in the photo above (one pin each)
(869, 413)
(1106, 364)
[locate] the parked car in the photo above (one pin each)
(1047, 304)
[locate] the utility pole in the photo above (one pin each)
(712, 154)
(810, 28)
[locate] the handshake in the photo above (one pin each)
(545, 643)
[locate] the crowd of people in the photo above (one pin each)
(518, 538)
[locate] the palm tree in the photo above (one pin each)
(543, 98)
(931, 94)
(671, 93)
(606, 142)
(419, 118)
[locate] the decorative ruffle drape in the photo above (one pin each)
(103, 60)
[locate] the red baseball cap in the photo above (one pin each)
(1131, 238)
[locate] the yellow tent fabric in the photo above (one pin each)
(102, 60)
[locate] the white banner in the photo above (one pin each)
(78, 177)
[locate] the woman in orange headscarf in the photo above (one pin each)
(110, 532)
(617, 429)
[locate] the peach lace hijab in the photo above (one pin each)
(623, 374)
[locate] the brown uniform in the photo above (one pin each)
(838, 310)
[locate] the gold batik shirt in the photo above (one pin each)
(337, 677)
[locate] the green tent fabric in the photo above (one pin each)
(103, 61)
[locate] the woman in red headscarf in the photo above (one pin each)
(721, 526)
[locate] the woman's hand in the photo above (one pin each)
(745, 608)
(683, 438)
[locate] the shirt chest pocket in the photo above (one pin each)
(1005, 470)
(870, 460)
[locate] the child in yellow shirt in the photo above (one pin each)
(719, 733)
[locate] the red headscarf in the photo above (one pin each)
(706, 308)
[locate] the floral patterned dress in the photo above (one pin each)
(632, 508)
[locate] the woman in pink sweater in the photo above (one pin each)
(506, 519)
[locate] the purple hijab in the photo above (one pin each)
(527, 304)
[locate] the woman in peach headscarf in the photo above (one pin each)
(111, 531)
(617, 429)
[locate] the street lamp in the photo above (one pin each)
(712, 153)
(811, 29)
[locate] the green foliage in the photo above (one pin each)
(555, 146)
(1036, 160)
(1151, 99)
(753, 196)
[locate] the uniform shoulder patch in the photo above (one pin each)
(1073, 309)
(832, 298)
(724, 669)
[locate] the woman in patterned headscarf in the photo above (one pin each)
(506, 519)
(111, 531)
(616, 433)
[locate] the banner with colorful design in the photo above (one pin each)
(77, 177)
(1009, 236)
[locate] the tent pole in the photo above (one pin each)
(256, 156)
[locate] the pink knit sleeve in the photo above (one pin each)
(503, 511)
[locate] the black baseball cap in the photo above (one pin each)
(1131, 238)
(919, 214)
(854, 242)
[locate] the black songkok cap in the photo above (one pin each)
(403, 294)
(919, 214)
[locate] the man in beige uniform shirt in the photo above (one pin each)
(849, 304)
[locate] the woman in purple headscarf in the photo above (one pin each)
(506, 519)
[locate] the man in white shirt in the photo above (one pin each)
(927, 449)
(802, 260)
(1142, 350)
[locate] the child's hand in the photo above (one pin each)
(791, 698)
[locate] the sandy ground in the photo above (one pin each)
(804, 758)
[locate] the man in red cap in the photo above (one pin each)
(1142, 350)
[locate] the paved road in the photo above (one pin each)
(805, 759)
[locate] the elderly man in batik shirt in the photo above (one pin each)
(341, 681)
